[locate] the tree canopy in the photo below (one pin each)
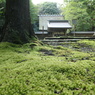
(48, 8)
(83, 11)
(33, 12)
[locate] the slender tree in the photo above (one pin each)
(17, 27)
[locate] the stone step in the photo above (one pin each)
(59, 41)
(53, 38)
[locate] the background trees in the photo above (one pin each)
(49, 8)
(34, 16)
(33, 12)
(90, 4)
(83, 12)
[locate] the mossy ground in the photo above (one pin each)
(34, 69)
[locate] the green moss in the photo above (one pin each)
(27, 71)
(87, 42)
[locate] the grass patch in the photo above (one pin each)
(35, 69)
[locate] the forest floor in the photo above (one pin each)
(38, 69)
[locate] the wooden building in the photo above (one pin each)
(43, 20)
(52, 25)
(58, 27)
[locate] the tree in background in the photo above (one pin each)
(33, 12)
(34, 16)
(17, 27)
(90, 4)
(49, 8)
(76, 9)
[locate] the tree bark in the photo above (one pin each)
(17, 28)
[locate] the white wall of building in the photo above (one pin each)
(43, 20)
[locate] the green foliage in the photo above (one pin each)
(48, 8)
(90, 4)
(30, 71)
(77, 10)
(87, 43)
(34, 16)
(33, 12)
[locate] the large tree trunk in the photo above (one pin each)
(17, 28)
